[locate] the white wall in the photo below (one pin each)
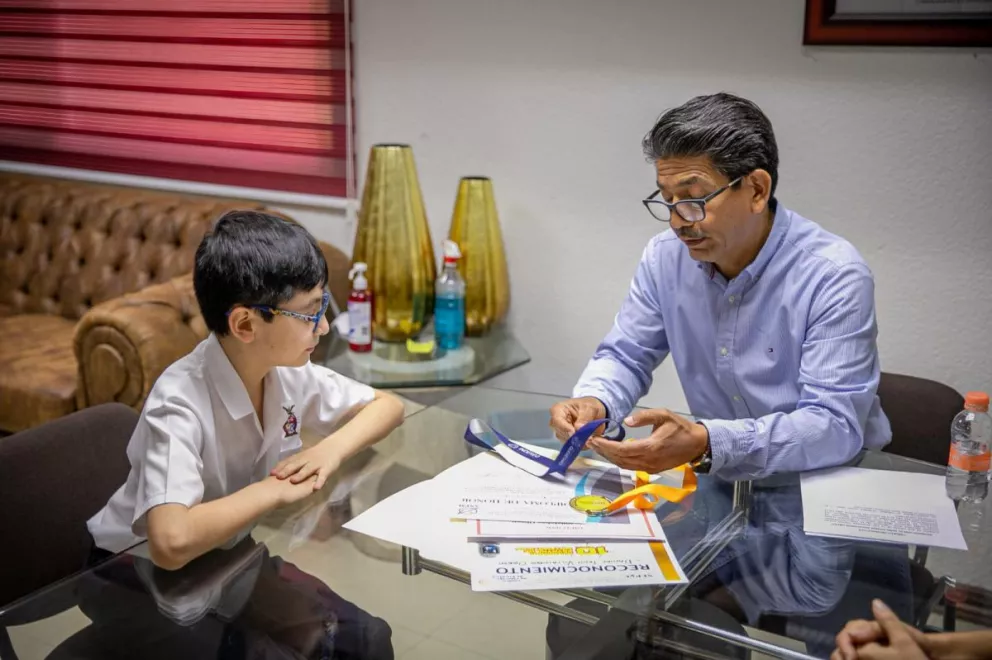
(331, 225)
(890, 148)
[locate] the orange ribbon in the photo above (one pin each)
(646, 495)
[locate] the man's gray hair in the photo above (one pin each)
(732, 132)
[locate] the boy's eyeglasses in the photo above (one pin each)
(315, 318)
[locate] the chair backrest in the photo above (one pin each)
(920, 412)
(66, 246)
(53, 478)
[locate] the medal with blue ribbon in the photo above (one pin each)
(530, 461)
(645, 496)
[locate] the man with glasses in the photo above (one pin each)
(770, 319)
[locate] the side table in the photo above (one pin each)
(391, 365)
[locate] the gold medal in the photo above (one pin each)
(593, 505)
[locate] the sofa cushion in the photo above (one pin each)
(67, 246)
(37, 369)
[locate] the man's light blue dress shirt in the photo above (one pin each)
(780, 363)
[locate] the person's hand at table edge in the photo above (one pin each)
(674, 441)
(873, 637)
(888, 637)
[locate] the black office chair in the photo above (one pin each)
(53, 478)
(920, 412)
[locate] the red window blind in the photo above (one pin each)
(237, 92)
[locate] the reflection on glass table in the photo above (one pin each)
(394, 365)
(757, 582)
(754, 574)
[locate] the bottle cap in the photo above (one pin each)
(976, 401)
(451, 252)
(357, 273)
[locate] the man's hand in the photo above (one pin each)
(674, 441)
(571, 414)
(884, 638)
(319, 461)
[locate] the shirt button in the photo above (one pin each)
(732, 299)
(736, 398)
(724, 351)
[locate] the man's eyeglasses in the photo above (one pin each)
(690, 210)
(315, 318)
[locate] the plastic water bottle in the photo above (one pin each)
(971, 439)
(449, 301)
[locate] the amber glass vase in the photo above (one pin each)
(475, 227)
(394, 240)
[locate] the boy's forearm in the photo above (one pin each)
(213, 523)
(195, 531)
(372, 423)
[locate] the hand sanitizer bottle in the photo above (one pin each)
(359, 311)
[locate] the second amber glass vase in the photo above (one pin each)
(475, 227)
(393, 238)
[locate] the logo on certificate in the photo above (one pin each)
(489, 549)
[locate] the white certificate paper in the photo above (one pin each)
(519, 566)
(880, 505)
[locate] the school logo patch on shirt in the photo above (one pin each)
(291, 426)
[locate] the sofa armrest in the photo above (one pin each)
(123, 345)
(338, 265)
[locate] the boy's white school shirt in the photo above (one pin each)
(198, 438)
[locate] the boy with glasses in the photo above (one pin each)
(218, 444)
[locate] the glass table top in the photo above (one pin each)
(757, 582)
(391, 365)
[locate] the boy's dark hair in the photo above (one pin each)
(253, 258)
(731, 131)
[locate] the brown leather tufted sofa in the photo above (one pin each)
(96, 294)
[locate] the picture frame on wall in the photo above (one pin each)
(942, 23)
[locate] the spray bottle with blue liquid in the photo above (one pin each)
(449, 301)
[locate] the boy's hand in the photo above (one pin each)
(286, 492)
(319, 461)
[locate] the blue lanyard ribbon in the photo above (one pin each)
(530, 461)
